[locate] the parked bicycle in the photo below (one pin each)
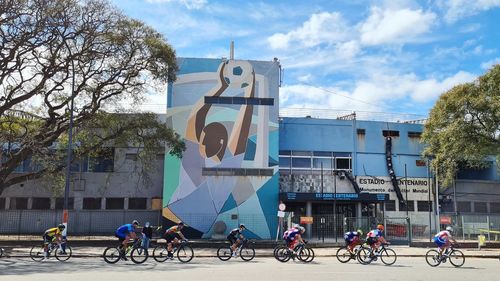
(183, 251)
(245, 250)
(137, 254)
(456, 257)
(62, 253)
(302, 252)
(367, 255)
(344, 255)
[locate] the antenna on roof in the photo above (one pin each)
(231, 51)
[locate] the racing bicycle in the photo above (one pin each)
(183, 251)
(245, 250)
(138, 254)
(344, 255)
(456, 257)
(367, 255)
(302, 252)
(62, 253)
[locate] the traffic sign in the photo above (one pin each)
(282, 207)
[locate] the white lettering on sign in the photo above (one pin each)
(418, 188)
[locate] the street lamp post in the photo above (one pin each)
(70, 142)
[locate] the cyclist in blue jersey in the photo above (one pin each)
(352, 239)
(235, 237)
(124, 233)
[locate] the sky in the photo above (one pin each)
(393, 56)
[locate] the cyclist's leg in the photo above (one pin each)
(46, 242)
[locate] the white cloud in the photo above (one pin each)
(320, 28)
(458, 9)
(190, 4)
(395, 26)
(377, 93)
(487, 65)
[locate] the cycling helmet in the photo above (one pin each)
(360, 232)
(61, 226)
(380, 227)
(449, 228)
(146, 224)
(181, 223)
(242, 226)
(135, 222)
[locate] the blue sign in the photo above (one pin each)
(306, 196)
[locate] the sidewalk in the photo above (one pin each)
(402, 251)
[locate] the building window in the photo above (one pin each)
(285, 152)
(60, 203)
(480, 207)
(342, 163)
(390, 205)
(115, 204)
(41, 203)
(411, 206)
(361, 131)
(137, 203)
(322, 153)
(326, 162)
(420, 163)
(463, 207)
(424, 206)
(103, 162)
(494, 207)
(301, 153)
(301, 163)
(389, 133)
(131, 156)
(91, 203)
(414, 134)
(19, 203)
(2, 203)
(239, 100)
(285, 162)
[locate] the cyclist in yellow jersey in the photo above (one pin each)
(173, 234)
(52, 235)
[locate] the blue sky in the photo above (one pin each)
(382, 56)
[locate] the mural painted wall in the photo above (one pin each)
(227, 112)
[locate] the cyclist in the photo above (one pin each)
(124, 233)
(352, 239)
(442, 239)
(52, 235)
(173, 234)
(235, 237)
(294, 236)
(374, 238)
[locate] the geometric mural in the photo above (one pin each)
(217, 106)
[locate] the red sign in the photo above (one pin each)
(445, 220)
(306, 220)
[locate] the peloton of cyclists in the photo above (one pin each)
(352, 239)
(235, 237)
(443, 238)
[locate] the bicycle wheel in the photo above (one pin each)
(185, 253)
(247, 253)
(363, 255)
(388, 256)
(432, 258)
(283, 254)
(160, 253)
(111, 255)
(139, 255)
(224, 253)
(306, 255)
(343, 254)
(63, 256)
(37, 253)
(457, 258)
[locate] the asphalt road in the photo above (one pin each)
(322, 268)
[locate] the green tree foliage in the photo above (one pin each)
(112, 58)
(463, 130)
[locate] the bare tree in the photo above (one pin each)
(43, 46)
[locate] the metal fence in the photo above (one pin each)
(81, 222)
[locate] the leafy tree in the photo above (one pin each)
(112, 58)
(463, 129)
